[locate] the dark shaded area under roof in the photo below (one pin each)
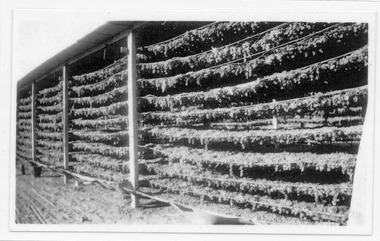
(155, 32)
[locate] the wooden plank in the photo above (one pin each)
(65, 111)
(199, 216)
(132, 117)
(33, 101)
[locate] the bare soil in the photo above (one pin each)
(47, 200)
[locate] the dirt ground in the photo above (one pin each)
(48, 200)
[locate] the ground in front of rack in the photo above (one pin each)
(47, 200)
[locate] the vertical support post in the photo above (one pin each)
(132, 117)
(275, 120)
(65, 103)
(33, 102)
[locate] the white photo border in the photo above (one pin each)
(339, 12)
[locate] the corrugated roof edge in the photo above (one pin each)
(104, 35)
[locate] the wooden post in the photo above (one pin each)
(33, 102)
(65, 111)
(275, 120)
(132, 117)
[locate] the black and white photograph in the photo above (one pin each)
(244, 122)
